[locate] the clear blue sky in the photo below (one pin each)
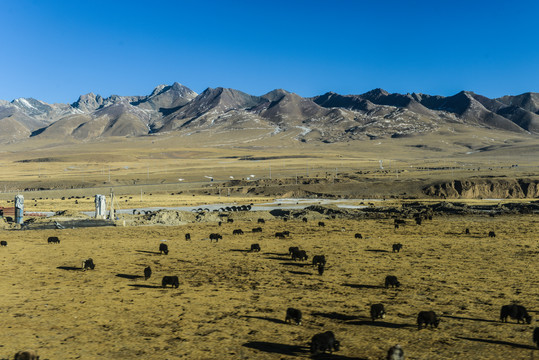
(56, 50)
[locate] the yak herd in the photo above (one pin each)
(325, 341)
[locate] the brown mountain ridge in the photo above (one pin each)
(330, 117)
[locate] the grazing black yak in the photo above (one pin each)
(53, 240)
(299, 255)
(88, 264)
(26, 355)
(255, 247)
(517, 312)
(319, 260)
(215, 237)
(293, 314)
(170, 280)
(392, 281)
(397, 247)
(323, 342)
(147, 272)
(163, 248)
(427, 318)
(378, 311)
(292, 249)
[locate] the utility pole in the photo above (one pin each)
(111, 204)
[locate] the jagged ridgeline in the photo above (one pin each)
(328, 118)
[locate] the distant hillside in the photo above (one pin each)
(330, 117)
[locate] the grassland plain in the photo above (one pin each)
(231, 303)
(132, 164)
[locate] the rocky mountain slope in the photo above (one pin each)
(329, 117)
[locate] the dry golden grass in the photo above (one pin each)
(231, 303)
(132, 163)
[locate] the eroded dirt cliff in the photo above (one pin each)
(495, 188)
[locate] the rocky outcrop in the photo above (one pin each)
(486, 189)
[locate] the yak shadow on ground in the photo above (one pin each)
(299, 272)
(381, 324)
(149, 252)
(336, 316)
(377, 250)
(463, 234)
(364, 286)
(146, 286)
(69, 268)
(296, 264)
(277, 254)
(283, 258)
(274, 320)
(334, 357)
(468, 318)
(499, 342)
(276, 348)
(130, 277)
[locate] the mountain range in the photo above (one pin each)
(330, 117)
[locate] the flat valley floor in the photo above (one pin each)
(231, 303)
